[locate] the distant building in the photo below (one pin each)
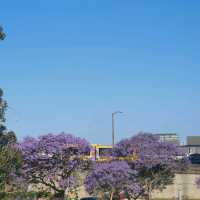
(193, 140)
(193, 145)
(169, 137)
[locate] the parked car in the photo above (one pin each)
(195, 158)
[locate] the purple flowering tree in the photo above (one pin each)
(157, 161)
(53, 161)
(108, 179)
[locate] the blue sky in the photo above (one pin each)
(67, 65)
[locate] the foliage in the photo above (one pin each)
(24, 195)
(54, 161)
(156, 163)
(110, 178)
(10, 163)
(6, 137)
(2, 34)
(10, 157)
(3, 107)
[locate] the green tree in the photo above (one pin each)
(10, 163)
(6, 137)
(10, 157)
(2, 34)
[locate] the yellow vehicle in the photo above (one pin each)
(101, 152)
(104, 153)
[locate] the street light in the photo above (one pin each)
(113, 126)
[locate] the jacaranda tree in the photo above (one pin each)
(156, 163)
(54, 161)
(108, 179)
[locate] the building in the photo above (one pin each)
(193, 140)
(193, 145)
(169, 137)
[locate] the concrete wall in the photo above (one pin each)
(184, 186)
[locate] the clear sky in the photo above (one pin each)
(67, 65)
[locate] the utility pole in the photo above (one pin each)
(113, 126)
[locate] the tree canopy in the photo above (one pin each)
(108, 179)
(2, 34)
(10, 156)
(6, 137)
(54, 160)
(157, 161)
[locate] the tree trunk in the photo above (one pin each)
(149, 196)
(149, 193)
(111, 195)
(101, 196)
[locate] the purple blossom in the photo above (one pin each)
(156, 161)
(111, 178)
(52, 160)
(149, 150)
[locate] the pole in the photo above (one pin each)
(113, 130)
(179, 194)
(113, 127)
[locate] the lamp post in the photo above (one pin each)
(113, 126)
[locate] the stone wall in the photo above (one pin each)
(184, 186)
